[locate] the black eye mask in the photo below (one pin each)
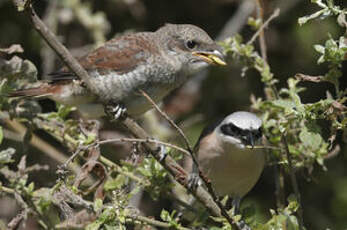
(247, 136)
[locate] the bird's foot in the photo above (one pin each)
(162, 151)
(116, 111)
(242, 225)
(194, 181)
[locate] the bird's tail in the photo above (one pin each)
(41, 91)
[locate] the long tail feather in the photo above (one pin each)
(32, 92)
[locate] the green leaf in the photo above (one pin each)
(254, 23)
(319, 48)
(310, 139)
(6, 155)
(30, 188)
(115, 183)
(98, 204)
(165, 215)
(288, 105)
(64, 110)
(20, 4)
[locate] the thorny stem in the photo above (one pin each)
(294, 181)
(195, 161)
(171, 166)
(276, 94)
(171, 122)
(262, 41)
(278, 173)
(275, 14)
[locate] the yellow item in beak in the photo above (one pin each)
(211, 58)
(217, 60)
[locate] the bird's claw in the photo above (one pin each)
(116, 111)
(242, 225)
(194, 181)
(162, 151)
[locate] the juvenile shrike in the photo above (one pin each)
(155, 62)
(227, 158)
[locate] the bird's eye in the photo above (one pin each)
(231, 130)
(191, 44)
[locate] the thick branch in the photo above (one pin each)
(179, 174)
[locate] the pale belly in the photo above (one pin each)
(235, 172)
(135, 105)
(112, 88)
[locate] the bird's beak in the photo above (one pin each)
(212, 57)
(251, 139)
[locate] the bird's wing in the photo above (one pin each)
(207, 131)
(122, 55)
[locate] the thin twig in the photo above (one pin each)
(71, 158)
(275, 14)
(279, 186)
(262, 42)
(294, 182)
(59, 49)
(143, 141)
(178, 173)
(207, 183)
(50, 18)
(278, 172)
(6, 189)
(154, 222)
(119, 170)
(171, 122)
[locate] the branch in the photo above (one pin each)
(262, 42)
(206, 181)
(167, 162)
(171, 122)
(178, 173)
(153, 222)
(54, 43)
(275, 14)
(294, 182)
(143, 141)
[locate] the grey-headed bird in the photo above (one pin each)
(227, 157)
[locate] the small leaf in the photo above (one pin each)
(6, 155)
(165, 215)
(98, 204)
(310, 139)
(115, 183)
(254, 23)
(20, 4)
(319, 48)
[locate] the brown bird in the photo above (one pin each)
(155, 62)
